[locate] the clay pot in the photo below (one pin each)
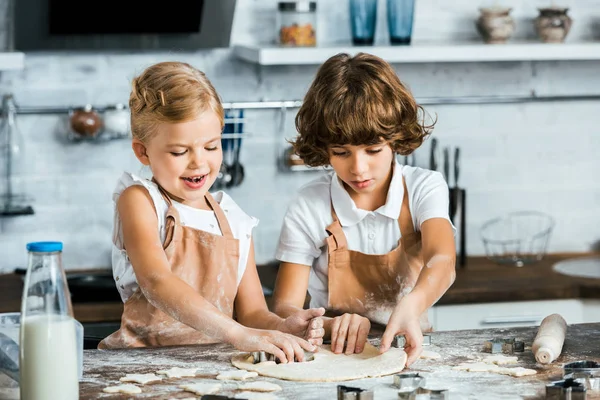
(553, 24)
(85, 121)
(495, 24)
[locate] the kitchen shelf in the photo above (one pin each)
(423, 53)
(12, 61)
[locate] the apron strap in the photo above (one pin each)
(405, 221)
(171, 211)
(220, 215)
(336, 239)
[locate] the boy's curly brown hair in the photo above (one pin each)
(357, 101)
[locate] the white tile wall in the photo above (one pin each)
(515, 156)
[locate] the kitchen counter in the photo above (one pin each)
(104, 368)
(481, 281)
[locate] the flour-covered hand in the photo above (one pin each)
(404, 321)
(306, 324)
(349, 333)
(284, 346)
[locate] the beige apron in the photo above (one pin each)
(367, 283)
(206, 262)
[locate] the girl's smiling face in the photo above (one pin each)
(185, 157)
(364, 169)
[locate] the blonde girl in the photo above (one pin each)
(183, 258)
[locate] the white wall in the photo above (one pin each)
(515, 156)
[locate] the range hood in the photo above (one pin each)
(122, 25)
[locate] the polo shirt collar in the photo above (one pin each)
(346, 209)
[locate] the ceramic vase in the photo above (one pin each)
(495, 25)
(553, 24)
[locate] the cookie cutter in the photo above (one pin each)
(585, 371)
(502, 345)
(400, 341)
(353, 393)
(423, 394)
(262, 356)
(409, 380)
(567, 389)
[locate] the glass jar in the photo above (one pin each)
(297, 23)
(85, 121)
(116, 120)
(48, 360)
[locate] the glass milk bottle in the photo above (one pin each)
(48, 348)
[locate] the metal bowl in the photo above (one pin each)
(518, 238)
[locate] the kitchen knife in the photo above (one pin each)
(433, 155)
(447, 165)
(456, 166)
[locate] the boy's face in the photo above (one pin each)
(363, 169)
(185, 157)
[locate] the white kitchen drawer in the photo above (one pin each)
(510, 314)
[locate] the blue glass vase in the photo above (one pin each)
(400, 20)
(363, 17)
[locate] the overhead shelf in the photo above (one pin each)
(423, 53)
(12, 61)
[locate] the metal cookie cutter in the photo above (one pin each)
(568, 389)
(423, 394)
(261, 356)
(409, 380)
(585, 372)
(352, 393)
(400, 341)
(499, 345)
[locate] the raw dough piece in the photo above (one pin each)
(201, 388)
(127, 388)
(255, 396)
(430, 355)
(177, 372)
(260, 386)
(330, 367)
(500, 359)
(236, 375)
(140, 378)
(517, 371)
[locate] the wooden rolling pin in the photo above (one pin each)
(550, 338)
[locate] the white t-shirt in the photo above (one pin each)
(303, 236)
(241, 225)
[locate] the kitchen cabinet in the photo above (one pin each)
(422, 53)
(512, 314)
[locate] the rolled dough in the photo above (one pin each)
(177, 372)
(201, 388)
(260, 386)
(127, 388)
(140, 378)
(329, 367)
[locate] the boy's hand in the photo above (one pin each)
(306, 324)
(404, 321)
(349, 329)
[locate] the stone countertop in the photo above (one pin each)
(104, 368)
(480, 281)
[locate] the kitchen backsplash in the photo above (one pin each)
(514, 156)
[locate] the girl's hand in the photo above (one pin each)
(284, 346)
(351, 329)
(306, 324)
(404, 321)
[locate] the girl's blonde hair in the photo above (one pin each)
(358, 101)
(170, 92)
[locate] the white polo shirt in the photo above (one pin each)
(303, 236)
(241, 225)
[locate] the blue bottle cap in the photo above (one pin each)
(44, 247)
